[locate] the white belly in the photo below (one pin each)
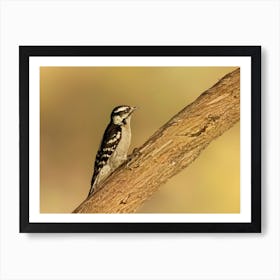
(120, 154)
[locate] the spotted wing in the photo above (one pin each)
(110, 141)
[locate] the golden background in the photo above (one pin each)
(75, 105)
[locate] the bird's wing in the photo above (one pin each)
(110, 141)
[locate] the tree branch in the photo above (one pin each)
(172, 148)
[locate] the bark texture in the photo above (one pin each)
(169, 150)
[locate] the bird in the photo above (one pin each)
(114, 146)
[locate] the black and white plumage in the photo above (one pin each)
(114, 146)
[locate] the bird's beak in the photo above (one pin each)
(132, 109)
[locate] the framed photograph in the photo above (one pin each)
(140, 138)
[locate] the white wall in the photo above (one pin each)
(139, 256)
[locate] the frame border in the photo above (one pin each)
(253, 51)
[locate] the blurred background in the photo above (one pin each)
(75, 107)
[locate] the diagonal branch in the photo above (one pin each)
(172, 148)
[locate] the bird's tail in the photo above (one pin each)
(92, 185)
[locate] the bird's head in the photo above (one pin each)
(121, 114)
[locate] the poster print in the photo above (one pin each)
(159, 138)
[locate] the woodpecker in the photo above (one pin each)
(114, 146)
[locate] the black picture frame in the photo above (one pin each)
(25, 52)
